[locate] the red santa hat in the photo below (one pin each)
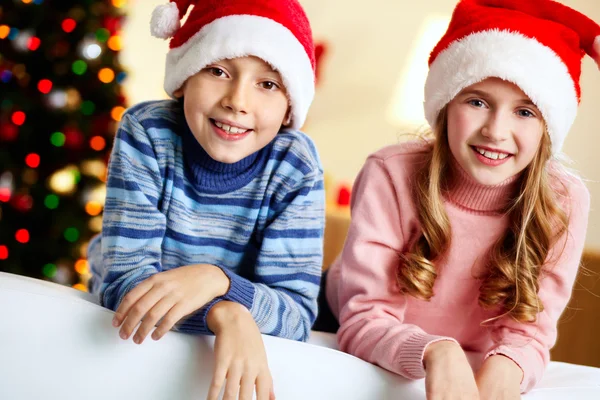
(536, 44)
(276, 31)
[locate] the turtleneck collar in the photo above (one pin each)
(218, 177)
(466, 192)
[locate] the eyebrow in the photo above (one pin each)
(481, 93)
(268, 69)
(265, 69)
(527, 102)
(272, 74)
(475, 91)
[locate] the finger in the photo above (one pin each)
(264, 387)
(216, 383)
(139, 311)
(247, 387)
(232, 385)
(129, 300)
(152, 317)
(169, 320)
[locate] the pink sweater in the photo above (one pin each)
(392, 330)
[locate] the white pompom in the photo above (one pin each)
(165, 21)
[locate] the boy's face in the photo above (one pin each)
(235, 107)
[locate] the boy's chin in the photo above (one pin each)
(228, 158)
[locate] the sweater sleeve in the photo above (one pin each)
(133, 227)
(528, 345)
(282, 297)
(372, 308)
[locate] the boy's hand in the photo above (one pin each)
(240, 356)
(448, 375)
(499, 379)
(167, 297)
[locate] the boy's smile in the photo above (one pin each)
(235, 107)
(229, 131)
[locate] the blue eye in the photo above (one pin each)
(525, 113)
(477, 103)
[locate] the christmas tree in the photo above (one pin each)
(60, 101)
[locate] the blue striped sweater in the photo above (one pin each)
(168, 204)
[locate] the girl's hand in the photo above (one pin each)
(240, 356)
(499, 379)
(167, 297)
(448, 373)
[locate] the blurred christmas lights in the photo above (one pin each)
(68, 25)
(64, 181)
(32, 160)
(106, 75)
(22, 236)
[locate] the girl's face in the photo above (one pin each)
(235, 107)
(494, 130)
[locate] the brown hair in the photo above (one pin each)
(511, 281)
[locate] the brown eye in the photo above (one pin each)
(269, 85)
(218, 72)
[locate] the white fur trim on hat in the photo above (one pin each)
(165, 21)
(535, 68)
(247, 35)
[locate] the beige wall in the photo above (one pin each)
(369, 50)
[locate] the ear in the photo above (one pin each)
(288, 117)
(178, 93)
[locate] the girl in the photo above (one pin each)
(471, 242)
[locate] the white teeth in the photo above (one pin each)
(230, 129)
(492, 155)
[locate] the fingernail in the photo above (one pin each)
(115, 322)
(137, 340)
(123, 335)
(154, 336)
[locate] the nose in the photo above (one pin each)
(496, 127)
(237, 98)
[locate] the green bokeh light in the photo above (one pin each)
(87, 107)
(51, 201)
(58, 139)
(71, 234)
(79, 67)
(49, 270)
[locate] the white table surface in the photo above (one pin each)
(56, 343)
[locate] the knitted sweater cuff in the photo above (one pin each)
(413, 351)
(196, 323)
(518, 357)
(241, 290)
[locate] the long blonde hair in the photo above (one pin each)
(511, 281)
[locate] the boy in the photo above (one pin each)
(214, 212)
